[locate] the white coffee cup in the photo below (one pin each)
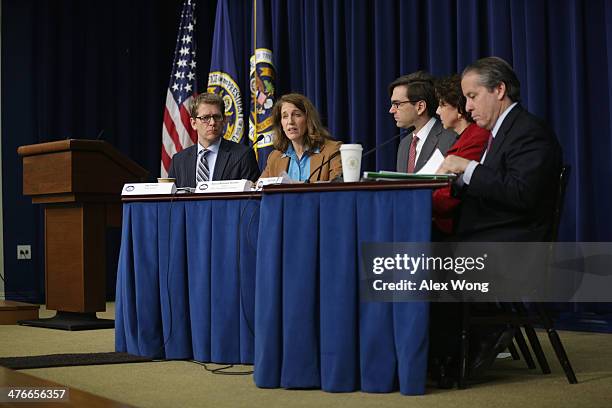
(351, 161)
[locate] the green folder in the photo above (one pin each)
(394, 175)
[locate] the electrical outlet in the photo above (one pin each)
(24, 252)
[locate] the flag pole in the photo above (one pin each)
(255, 77)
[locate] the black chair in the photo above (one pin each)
(519, 317)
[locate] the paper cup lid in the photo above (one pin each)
(350, 146)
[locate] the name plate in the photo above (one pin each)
(266, 181)
(223, 186)
(130, 189)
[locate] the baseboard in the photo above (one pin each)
(584, 321)
(28, 296)
(11, 312)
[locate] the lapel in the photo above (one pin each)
(504, 129)
(429, 146)
(316, 160)
(222, 158)
(282, 164)
(192, 156)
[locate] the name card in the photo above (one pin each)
(223, 186)
(266, 181)
(131, 189)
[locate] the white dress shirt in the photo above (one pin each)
(422, 135)
(211, 158)
(469, 170)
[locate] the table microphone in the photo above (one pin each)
(386, 142)
(252, 146)
(257, 140)
(320, 168)
(242, 156)
(372, 150)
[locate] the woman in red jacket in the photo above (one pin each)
(471, 144)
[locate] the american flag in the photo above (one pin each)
(177, 133)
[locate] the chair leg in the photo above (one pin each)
(537, 349)
(555, 340)
(533, 338)
(464, 347)
(513, 351)
(522, 344)
(562, 356)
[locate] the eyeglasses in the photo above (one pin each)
(397, 105)
(207, 118)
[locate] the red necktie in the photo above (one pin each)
(488, 147)
(412, 154)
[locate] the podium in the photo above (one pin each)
(79, 183)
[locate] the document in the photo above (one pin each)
(433, 164)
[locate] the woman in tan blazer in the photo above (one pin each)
(301, 143)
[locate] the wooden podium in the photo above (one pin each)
(79, 182)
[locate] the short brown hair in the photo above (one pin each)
(315, 135)
(206, 99)
(419, 87)
(448, 91)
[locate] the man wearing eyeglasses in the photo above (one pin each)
(213, 157)
(413, 106)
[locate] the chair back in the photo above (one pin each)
(564, 176)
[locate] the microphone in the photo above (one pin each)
(257, 140)
(372, 150)
(247, 151)
(320, 168)
(386, 142)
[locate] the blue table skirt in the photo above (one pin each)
(311, 330)
(179, 291)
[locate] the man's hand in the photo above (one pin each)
(453, 164)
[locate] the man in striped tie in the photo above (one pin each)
(213, 157)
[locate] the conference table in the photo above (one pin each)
(272, 278)
(186, 277)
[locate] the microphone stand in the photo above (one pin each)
(372, 150)
(320, 168)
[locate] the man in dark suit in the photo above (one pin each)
(508, 195)
(413, 105)
(213, 157)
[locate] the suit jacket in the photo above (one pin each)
(234, 162)
(276, 163)
(438, 137)
(511, 196)
(470, 145)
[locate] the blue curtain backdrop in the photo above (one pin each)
(82, 70)
(73, 69)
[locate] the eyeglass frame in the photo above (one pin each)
(206, 118)
(397, 105)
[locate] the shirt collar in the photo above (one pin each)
(424, 132)
(213, 148)
(290, 152)
(501, 118)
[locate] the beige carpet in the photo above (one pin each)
(183, 384)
